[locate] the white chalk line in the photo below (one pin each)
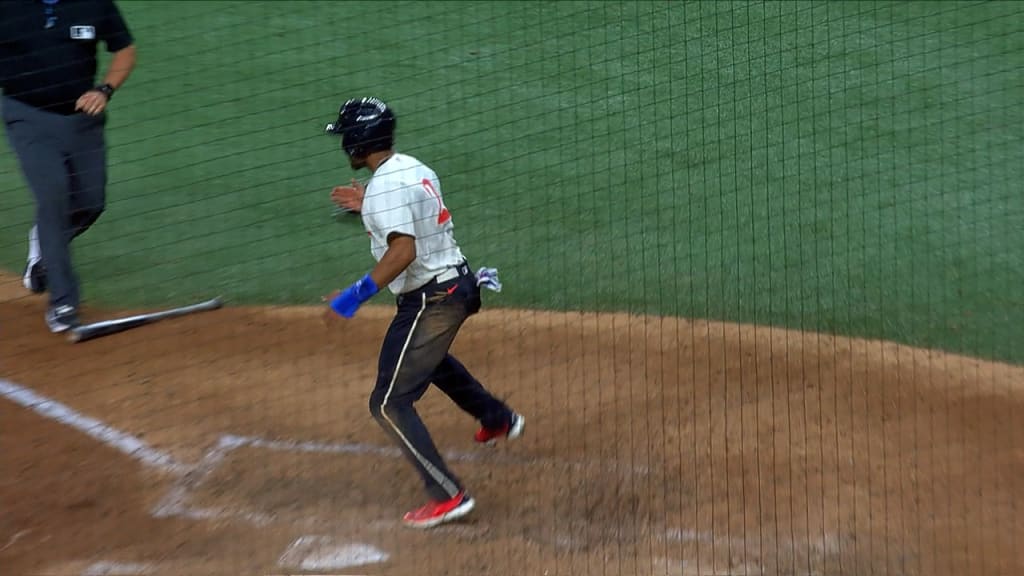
(828, 543)
(126, 443)
(116, 569)
(175, 502)
(326, 553)
(17, 536)
(141, 451)
(453, 455)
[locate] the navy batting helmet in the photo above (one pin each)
(365, 125)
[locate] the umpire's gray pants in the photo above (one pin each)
(63, 159)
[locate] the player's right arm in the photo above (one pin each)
(391, 220)
(400, 254)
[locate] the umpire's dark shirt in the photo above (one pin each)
(50, 67)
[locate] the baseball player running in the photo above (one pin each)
(420, 262)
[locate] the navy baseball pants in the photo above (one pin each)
(64, 161)
(414, 355)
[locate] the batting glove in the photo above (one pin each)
(488, 278)
(346, 303)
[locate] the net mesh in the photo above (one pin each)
(761, 297)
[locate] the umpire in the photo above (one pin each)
(55, 114)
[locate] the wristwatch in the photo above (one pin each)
(107, 90)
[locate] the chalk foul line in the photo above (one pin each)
(121, 441)
(116, 569)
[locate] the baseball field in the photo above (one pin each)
(762, 306)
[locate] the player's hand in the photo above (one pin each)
(92, 102)
(345, 303)
(329, 317)
(349, 197)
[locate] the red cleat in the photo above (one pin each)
(436, 512)
(512, 430)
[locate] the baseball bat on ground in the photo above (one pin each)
(107, 327)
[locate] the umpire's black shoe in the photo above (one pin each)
(61, 318)
(34, 278)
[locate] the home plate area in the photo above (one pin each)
(323, 553)
(347, 522)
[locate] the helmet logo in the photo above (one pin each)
(375, 102)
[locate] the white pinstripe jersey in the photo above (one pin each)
(404, 196)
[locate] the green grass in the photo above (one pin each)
(844, 166)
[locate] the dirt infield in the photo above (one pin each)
(652, 446)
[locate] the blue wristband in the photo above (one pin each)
(346, 303)
(366, 288)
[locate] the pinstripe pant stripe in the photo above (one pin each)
(446, 483)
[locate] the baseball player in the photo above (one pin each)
(419, 261)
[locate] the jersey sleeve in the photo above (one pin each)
(113, 29)
(389, 215)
